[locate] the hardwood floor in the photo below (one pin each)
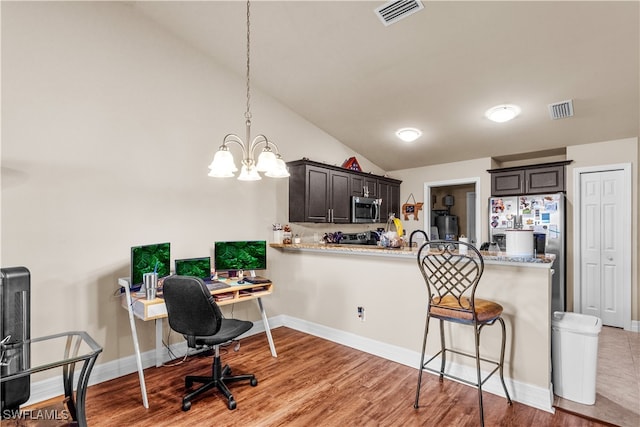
(312, 382)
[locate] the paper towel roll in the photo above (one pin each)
(519, 243)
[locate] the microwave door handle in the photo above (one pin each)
(376, 212)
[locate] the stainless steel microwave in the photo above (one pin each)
(365, 209)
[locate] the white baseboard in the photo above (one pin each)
(635, 326)
(526, 394)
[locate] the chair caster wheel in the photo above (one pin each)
(232, 404)
(186, 406)
(253, 382)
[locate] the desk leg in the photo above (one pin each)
(81, 391)
(158, 343)
(267, 329)
(136, 346)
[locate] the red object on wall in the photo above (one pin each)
(352, 163)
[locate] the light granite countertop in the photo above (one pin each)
(407, 253)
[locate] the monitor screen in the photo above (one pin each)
(150, 258)
(197, 267)
(240, 255)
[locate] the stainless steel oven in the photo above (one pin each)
(365, 209)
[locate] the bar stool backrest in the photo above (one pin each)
(452, 271)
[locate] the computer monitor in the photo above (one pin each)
(149, 258)
(232, 256)
(197, 267)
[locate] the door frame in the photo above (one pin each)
(626, 231)
(449, 182)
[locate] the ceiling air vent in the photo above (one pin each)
(393, 11)
(561, 110)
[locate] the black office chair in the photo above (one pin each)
(452, 271)
(193, 312)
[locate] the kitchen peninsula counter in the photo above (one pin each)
(321, 287)
(544, 261)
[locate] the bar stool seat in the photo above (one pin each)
(448, 308)
(452, 272)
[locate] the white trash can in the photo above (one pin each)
(574, 353)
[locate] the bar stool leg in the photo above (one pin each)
(504, 334)
(477, 336)
(421, 367)
(443, 351)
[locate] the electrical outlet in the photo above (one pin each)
(361, 313)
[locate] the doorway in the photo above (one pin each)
(467, 191)
(602, 243)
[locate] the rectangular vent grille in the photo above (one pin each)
(393, 11)
(561, 110)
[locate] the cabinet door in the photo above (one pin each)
(357, 185)
(361, 185)
(394, 198)
(317, 202)
(544, 180)
(340, 197)
(389, 192)
(507, 183)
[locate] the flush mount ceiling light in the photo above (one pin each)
(502, 113)
(268, 162)
(408, 134)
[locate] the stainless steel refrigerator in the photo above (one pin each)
(542, 213)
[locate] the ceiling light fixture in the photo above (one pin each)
(268, 162)
(502, 113)
(408, 134)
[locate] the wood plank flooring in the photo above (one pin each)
(312, 382)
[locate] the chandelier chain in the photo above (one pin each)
(248, 112)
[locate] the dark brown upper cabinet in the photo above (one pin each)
(534, 179)
(322, 193)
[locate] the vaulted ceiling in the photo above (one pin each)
(439, 69)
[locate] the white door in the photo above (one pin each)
(602, 227)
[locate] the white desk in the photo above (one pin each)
(156, 310)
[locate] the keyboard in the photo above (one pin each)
(256, 280)
(214, 285)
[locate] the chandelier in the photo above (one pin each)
(269, 162)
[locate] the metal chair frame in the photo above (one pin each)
(453, 269)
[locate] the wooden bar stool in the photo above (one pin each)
(452, 271)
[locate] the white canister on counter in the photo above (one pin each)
(519, 243)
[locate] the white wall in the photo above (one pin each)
(108, 126)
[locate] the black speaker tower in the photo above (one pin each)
(15, 328)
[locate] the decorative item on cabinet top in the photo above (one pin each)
(352, 164)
